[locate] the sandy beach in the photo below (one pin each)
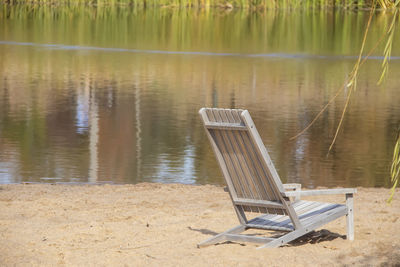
(161, 224)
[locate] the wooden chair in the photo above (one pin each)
(254, 185)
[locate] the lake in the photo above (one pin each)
(111, 94)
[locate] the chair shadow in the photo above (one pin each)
(315, 237)
(203, 231)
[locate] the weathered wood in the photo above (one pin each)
(339, 210)
(221, 237)
(246, 238)
(270, 169)
(295, 187)
(243, 188)
(318, 222)
(307, 211)
(263, 151)
(323, 210)
(335, 191)
(251, 171)
(225, 126)
(258, 172)
(254, 185)
(350, 217)
(257, 203)
(249, 190)
(260, 167)
(232, 192)
(221, 139)
(269, 227)
(292, 186)
(242, 163)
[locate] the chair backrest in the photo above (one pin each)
(244, 160)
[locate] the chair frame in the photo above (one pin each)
(288, 194)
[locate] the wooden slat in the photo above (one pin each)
(305, 208)
(220, 237)
(272, 220)
(240, 162)
(274, 179)
(325, 217)
(262, 175)
(251, 171)
(310, 213)
(263, 151)
(285, 221)
(304, 212)
(225, 126)
(257, 203)
(219, 141)
(258, 166)
(319, 221)
(247, 191)
(246, 238)
(298, 206)
(232, 192)
(262, 218)
(315, 207)
(269, 227)
(237, 158)
(335, 191)
(350, 217)
(241, 189)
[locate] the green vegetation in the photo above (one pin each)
(245, 4)
(238, 31)
(395, 169)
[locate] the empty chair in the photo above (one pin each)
(254, 185)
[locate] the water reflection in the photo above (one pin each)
(109, 114)
(193, 53)
(93, 139)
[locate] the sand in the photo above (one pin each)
(160, 224)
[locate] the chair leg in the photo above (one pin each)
(221, 237)
(280, 241)
(350, 217)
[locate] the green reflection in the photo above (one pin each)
(304, 31)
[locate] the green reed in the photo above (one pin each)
(395, 168)
(228, 4)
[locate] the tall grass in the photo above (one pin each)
(228, 4)
(395, 169)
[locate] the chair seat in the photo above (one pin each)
(308, 212)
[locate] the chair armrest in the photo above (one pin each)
(336, 191)
(295, 188)
(292, 186)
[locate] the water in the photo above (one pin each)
(112, 94)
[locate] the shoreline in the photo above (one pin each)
(152, 223)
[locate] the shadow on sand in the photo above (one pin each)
(310, 238)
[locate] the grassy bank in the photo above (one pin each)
(228, 4)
